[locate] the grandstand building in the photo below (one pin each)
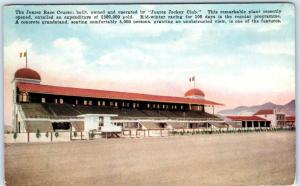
(275, 116)
(251, 121)
(265, 118)
(49, 108)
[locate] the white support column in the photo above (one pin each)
(91, 122)
(107, 125)
(106, 121)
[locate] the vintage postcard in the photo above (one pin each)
(149, 94)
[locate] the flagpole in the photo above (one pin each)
(26, 58)
(194, 81)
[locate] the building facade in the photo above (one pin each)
(48, 107)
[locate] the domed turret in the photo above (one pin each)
(195, 93)
(27, 73)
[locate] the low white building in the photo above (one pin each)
(276, 117)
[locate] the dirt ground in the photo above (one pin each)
(226, 159)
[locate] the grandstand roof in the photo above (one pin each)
(194, 92)
(69, 91)
(246, 118)
(264, 112)
(27, 73)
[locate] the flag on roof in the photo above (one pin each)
(192, 78)
(23, 54)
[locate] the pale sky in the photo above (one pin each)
(234, 64)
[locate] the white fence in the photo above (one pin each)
(37, 137)
(69, 136)
(145, 133)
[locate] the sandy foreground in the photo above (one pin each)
(266, 158)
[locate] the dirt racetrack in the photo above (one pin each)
(266, 158)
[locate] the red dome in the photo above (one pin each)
(27, 73)
(194, 92)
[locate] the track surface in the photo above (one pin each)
(266, 158)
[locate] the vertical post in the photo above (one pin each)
(17, 126)
(81, 135)
(194, 80)
(51, 136)
(26, 58)
(28, 136)
(130, 133)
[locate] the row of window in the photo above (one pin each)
(134, 105)
(280, 117)
(197, 107)
(124, 104)
(23, 97)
